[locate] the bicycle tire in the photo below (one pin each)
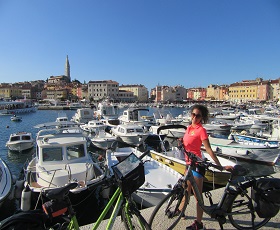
(163, 215)
(136, 220)
(241, 213)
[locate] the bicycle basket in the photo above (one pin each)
(129, 174)
(266, 192)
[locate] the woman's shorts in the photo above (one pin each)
(199, 172)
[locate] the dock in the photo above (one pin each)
(208, 222)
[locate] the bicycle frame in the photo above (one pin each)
(219, 210)
(73, 225)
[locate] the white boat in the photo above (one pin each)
(227, 116)
(102, 139)
(217, 126)
(61, 158)
(6, 112)
(159, 178)
(131, 134)
(75, 105)
(106, 110)
(246, 151)
(62, 117)
(93, 126)
(134, 116)
(18, 106)
(172, 131)
(167, 119)
(83, 115)
(247, 138)
(20, 141)
(16, 118)
(6, 182)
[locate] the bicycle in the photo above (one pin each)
(58, 213)
(238, 201)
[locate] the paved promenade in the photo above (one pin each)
(209, 223)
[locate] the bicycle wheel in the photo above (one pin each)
(166, 214)
(134, 220)
(243, 215)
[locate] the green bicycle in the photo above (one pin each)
(59, 214)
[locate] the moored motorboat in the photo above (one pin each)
(16, 118)
(131, 134)
(6, 182)
(159, 178)
(61, 157)
(134, 116)
(246, 151)
(253, 139)
(20, 141)
(93, 126)
(102, 139)
(175, 159)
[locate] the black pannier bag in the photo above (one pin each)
(129, 174)
(267, 196)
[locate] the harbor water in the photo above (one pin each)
(15, 161)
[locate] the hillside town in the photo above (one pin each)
(63, 89)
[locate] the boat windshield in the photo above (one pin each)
(75, 151)
(52, 154)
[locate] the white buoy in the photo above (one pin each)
(25, 199)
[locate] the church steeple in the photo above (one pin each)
(67, 69)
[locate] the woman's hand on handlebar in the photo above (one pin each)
(229, 168)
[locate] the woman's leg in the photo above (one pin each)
(199, 211)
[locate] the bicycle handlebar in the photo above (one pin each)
(144, 154)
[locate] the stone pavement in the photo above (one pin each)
(209, 223)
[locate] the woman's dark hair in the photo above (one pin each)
(204, 112)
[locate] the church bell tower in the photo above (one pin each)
(67, 69)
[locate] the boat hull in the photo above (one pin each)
(6, 182)
(21, 146)
(211, 176)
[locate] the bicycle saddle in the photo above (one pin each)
(59, 193)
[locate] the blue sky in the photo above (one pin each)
(167, 42)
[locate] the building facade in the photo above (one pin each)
(140, 91)
(100, 90)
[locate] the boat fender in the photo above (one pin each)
(25, 199)
(18, 188)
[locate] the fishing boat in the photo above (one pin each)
(20, 141)
(6, 182)
(253, 152)
(174, 158)
(159, 178)
(61, 158)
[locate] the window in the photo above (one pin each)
(52, 154)
(26, 138)
(75, 151)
